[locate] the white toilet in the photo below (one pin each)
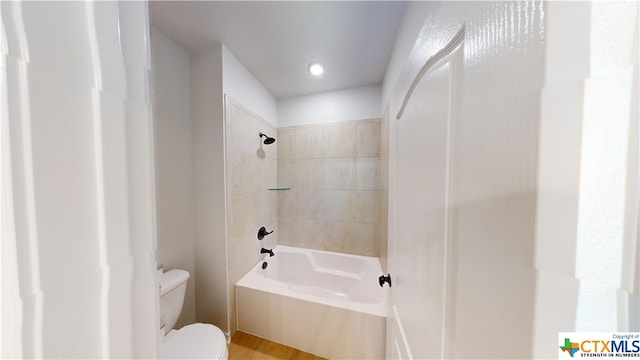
(195, 341)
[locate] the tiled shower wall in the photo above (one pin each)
(384, 189)
(333, 171)
(251, 169)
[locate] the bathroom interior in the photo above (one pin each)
(483, 155)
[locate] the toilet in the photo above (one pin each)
(195, 341)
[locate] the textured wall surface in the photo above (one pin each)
(496, 143)
(78, 223)
(333, 172)
(490, 175)
(252, 168)
(542, 213)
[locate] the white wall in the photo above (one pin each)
(214, 72)
(173, 164)
(190, 166)
(587, 215)
(239, 84)
(78, 236)
(334, 106)
(209, 187)
(415, 13)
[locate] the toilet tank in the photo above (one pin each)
(173, 285)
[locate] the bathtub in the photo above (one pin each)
(324, 303)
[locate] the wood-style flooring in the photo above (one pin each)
(245, 346)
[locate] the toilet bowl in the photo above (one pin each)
(195, 341)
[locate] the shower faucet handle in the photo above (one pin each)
(262, 232)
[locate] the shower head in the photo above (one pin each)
(267, 140)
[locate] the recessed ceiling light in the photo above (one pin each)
(316, 69)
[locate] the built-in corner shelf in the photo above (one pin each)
(279, 189)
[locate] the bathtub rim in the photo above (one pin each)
(253, 280)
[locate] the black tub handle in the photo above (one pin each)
(384, 279)
(262, 232)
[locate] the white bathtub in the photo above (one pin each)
(324, 303)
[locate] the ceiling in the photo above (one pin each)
(277, 40)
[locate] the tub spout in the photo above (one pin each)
(267, 251)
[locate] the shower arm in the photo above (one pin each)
(267, 139)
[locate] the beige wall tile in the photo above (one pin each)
(368, 139)
(384, 173)
(383, 210)
(242, 241)
(337, 236)
(339, 174)
(246, 212)
(362, 239)
(286, 144)
(368, 174)
(383, 229)
(384, 133)
(338, 141)
(270, 174)
(229, 152)
(363, 207)
(310, 173)
(287, 204)
(323, 234)
(308, 204)
(246, 131)
(310, 233)
(253, 165)
(335, 179)
(334, 236)
(384, 188)
(288, 231)
(248, 173)
(251, 169)
(270, 210)
(287, 174)
(335, 205)
(323, 210)
(308, 142)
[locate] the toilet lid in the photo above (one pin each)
(195, 341)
